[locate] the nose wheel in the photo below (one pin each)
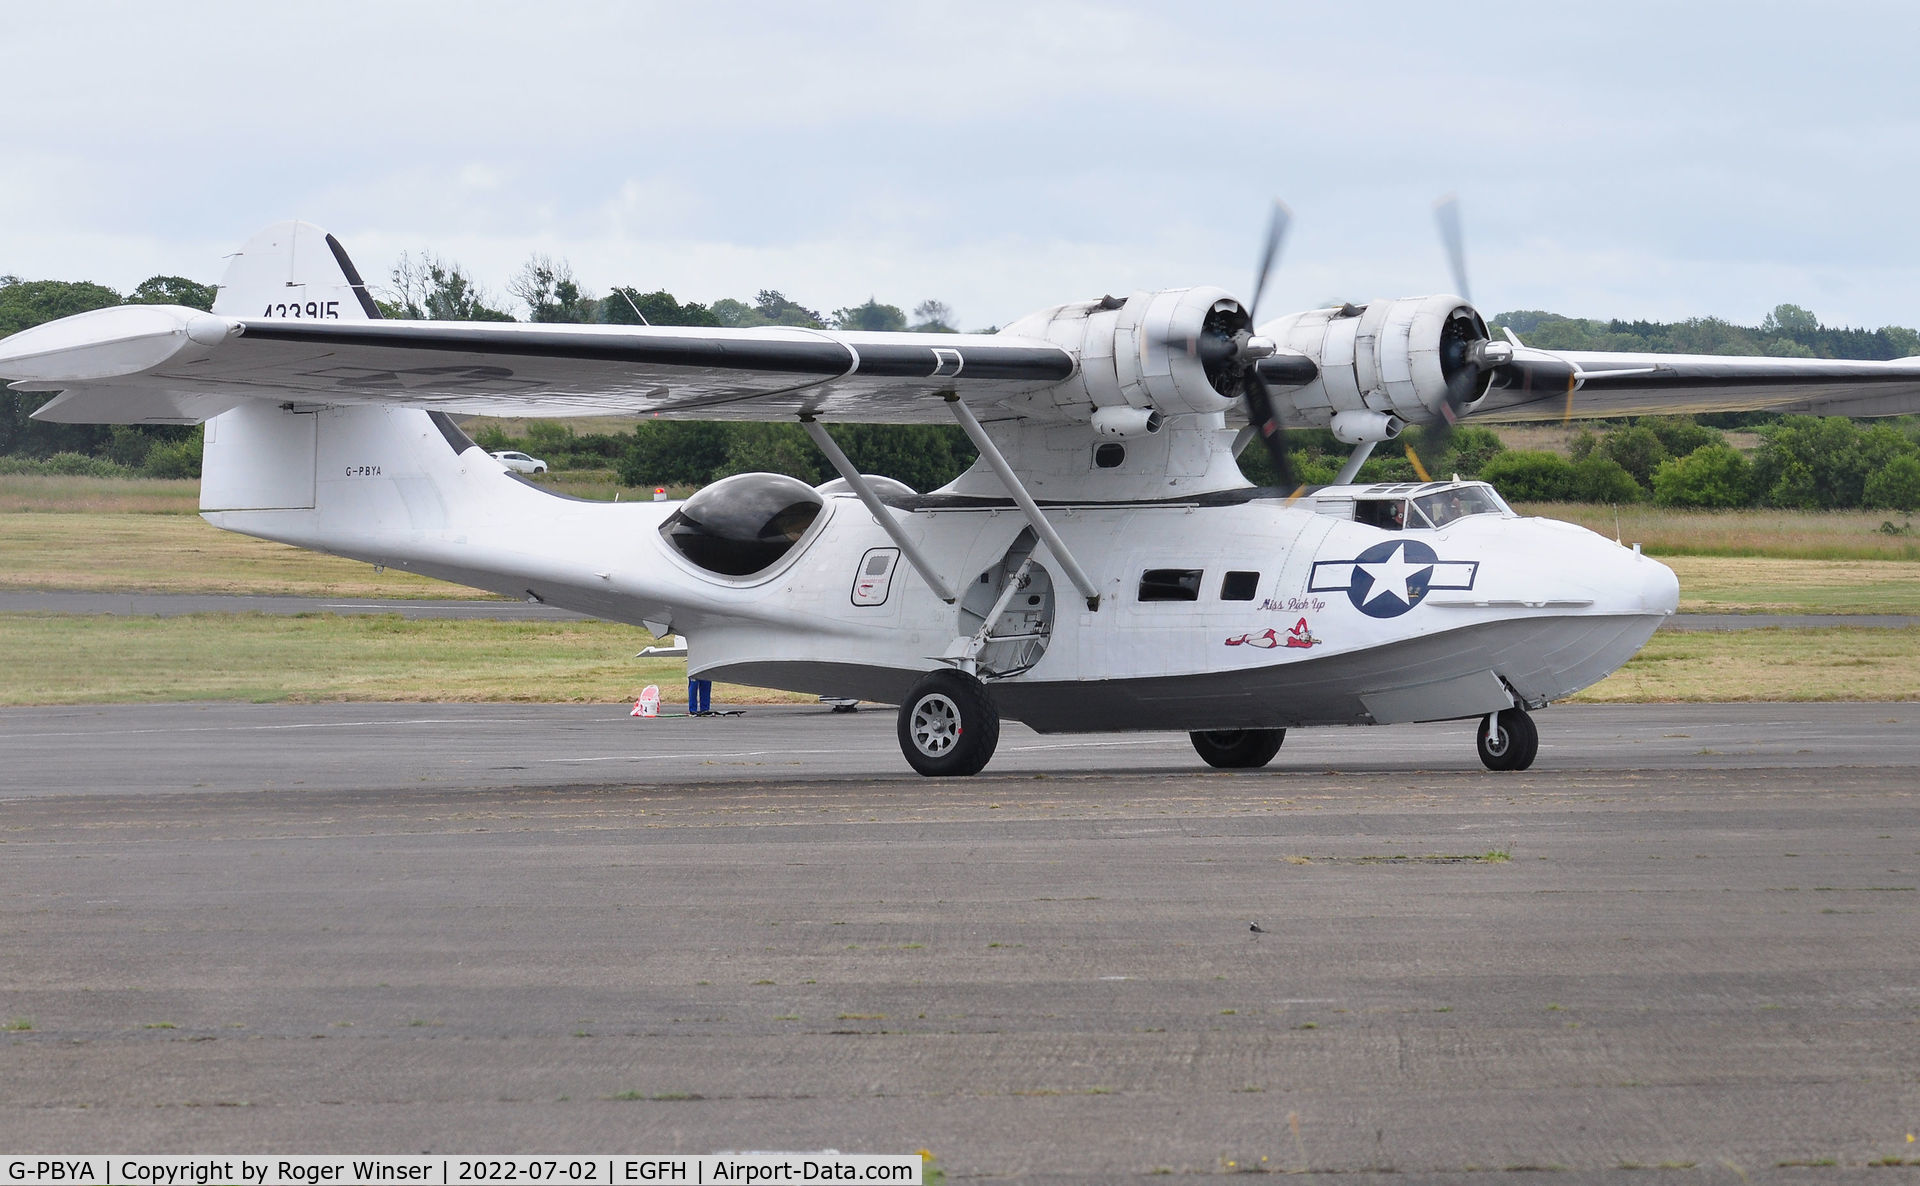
(948, 725)
(1508, 740)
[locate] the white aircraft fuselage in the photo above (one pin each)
(1217, 610)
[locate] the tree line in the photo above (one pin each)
(1800, 462)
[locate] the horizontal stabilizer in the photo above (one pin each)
(121, 405)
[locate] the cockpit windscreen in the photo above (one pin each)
(1444, 506)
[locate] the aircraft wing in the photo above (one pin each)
(160, 364)
(1575, 384)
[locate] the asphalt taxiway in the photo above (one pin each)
(1685, 938)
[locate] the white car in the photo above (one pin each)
(520, 463)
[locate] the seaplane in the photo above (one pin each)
(1103, 566)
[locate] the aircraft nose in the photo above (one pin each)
(1659, 587)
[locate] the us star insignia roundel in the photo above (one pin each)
(1389, 579)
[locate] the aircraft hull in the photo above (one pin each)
(1459, 673)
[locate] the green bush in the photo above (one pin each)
(1681, 435)
(64, 465)
(174, 459)
(128, 446)
(675, 453)
(1524, 475)
(1823, 463)
(1601, 479)
(1710, 476)
(1895, 485)
(1471, 447)
(493, 438)
(1314, 469)
(80, 465)
(1636, 448)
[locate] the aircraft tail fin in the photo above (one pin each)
(291, 270)
(294, 270)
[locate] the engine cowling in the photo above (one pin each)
(1167, 352)
(1395, 357)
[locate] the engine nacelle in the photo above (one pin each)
(1393, 357)
(1164, 352)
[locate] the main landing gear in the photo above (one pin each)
(1238, 749)
(1508, 740)
(948, 725)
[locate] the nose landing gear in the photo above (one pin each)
(1508, 740)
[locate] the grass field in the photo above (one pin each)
(1836, 664)
(132, 552)
(1744, 585)
(1797, 535)
(76, 659)
(118, 550)
(131, 535)
(23, 493)
(57, 659)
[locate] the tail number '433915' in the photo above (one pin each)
(313, 309)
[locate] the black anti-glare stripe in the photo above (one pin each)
(1015, 362)
(352, 274)
(819, 356)
(460, 441)
(904, 362)
(1217, 498)
(1512, 376)
(990, 362)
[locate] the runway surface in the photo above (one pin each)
(1686, 937)
(167, 605)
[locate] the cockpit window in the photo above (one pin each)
(1388, 514)
(741, 525)
(1443, 507)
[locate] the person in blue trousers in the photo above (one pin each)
(699, 696)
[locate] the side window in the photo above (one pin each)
(1170, 584)
(1239, 586)
(1386, 514)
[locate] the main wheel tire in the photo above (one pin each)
(1508, 740)
(948, 725)
(1238, 749)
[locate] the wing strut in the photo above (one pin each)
(881, 514)
(1355, 460)
(991, 454)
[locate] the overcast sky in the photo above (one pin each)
(1657, 160)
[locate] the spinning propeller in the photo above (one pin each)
(1230, 346)
(1253, 388)
(1467, 354)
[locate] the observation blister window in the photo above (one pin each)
(743, 525)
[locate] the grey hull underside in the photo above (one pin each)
(1466, 672)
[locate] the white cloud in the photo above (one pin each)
(1641, 161)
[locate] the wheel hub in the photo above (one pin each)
(936, 725)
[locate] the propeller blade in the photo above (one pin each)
(1277, 223)
(1446, 212)
(1417, 467)
(1266, 425)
